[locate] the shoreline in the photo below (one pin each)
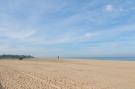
(67, 60)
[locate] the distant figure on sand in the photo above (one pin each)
(21, 58)
(58, 57)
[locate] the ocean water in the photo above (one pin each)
(103, 58)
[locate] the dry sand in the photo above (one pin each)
(32, 74)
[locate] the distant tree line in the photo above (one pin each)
(15, 56)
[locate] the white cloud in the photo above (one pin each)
(68, 37)
(71, 37)
(88, 36)
(20, 34)
(109, 8)
(16, 34)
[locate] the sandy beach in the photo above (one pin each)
(43, 74)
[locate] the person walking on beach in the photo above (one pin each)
(58, 58)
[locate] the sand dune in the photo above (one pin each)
(32, 74)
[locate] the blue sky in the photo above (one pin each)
(68, 28)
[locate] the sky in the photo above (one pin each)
(68, 28)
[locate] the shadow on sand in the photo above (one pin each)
(1, 86)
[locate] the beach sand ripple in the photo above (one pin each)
(40, 74)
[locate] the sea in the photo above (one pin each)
(102, 58)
